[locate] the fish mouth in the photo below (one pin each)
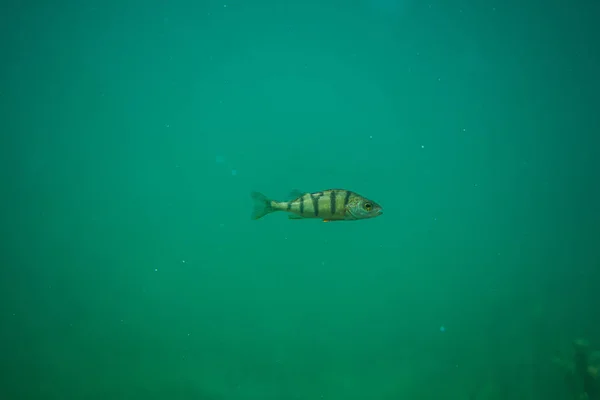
(380, 211)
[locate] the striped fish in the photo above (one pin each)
(328, 205)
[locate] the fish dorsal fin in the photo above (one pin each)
(294, 194)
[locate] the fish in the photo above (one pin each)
(328, 205)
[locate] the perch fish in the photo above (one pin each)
(328, 205)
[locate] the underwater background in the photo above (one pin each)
(134, 131)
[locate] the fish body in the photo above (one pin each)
(328, 205)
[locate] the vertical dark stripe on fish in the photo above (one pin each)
(301, 199)
(289, 205)
(332, 202)
(315, 201)
(347, 198)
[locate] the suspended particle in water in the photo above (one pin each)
(234, 172)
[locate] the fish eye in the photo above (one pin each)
(368, 206)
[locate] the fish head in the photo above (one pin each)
(363, 208)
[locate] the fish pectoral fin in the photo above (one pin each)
(326, 220)
(294, 216)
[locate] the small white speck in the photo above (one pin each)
(371, 137)
(224, 5)
(464, 129)
(167, 125)
(155, 269)
(422, 146)
(183, 261)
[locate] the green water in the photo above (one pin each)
(133, 133)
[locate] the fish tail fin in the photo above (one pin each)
(262, 205)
